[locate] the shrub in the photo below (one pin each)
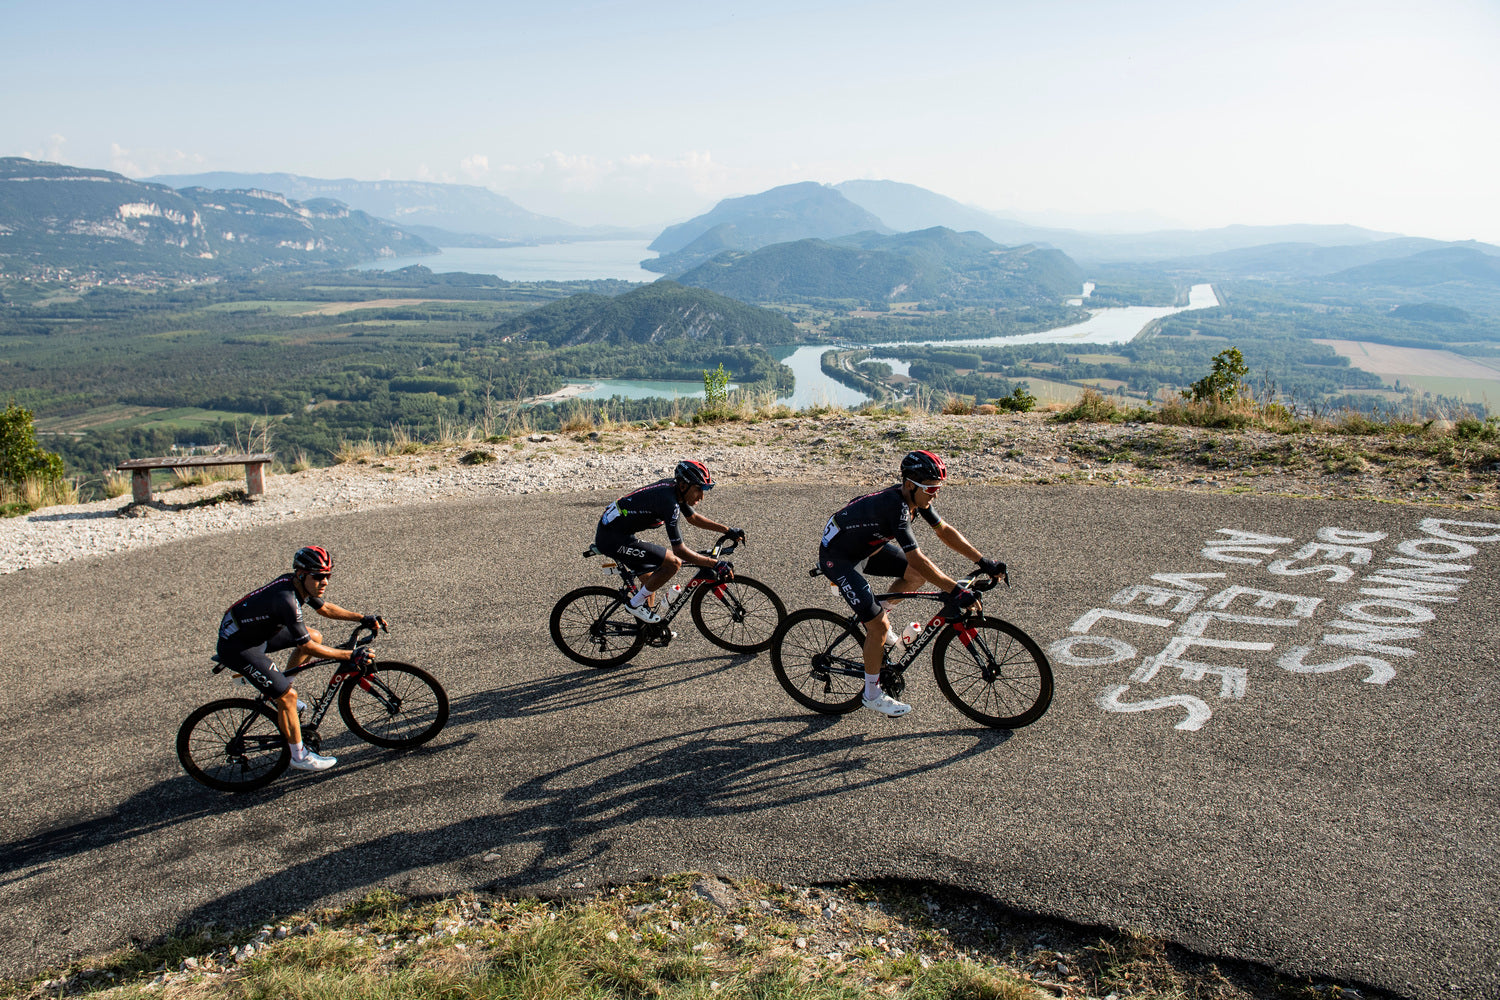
(1019, 400)
(1225, 381)
(957, 406)
(21, 458)
(477, 457)
(1092, 407)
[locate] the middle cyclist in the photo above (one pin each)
(859, 538)
(651, 507)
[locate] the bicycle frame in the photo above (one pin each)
(629, 581)
(324, 701)
(930, 631)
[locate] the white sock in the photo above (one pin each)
(872, 686)
(641, 596)
(298, 751)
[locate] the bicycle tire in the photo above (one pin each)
(233, 745)
(591, 626)
(399, 706)
(1001, 678)
(805, 646)
(745, 617)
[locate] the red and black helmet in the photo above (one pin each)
(313, 559)
(691, 473)
(922, 466)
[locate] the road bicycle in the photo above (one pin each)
(592, 625)
(235, 745)
(989, 669)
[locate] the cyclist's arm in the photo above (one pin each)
(954, 539)
(338, 614)
(699, 521)
(315, 648)
(691, 557)
(919, 562)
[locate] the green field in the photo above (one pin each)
(122, 417)
(1484, 391)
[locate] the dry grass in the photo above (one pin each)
(34, 493)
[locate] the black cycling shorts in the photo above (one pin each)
(848, 576)
(256, 666)
(640, 557)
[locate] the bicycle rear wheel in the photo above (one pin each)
(739, 615)
(819, 659)
(395, 705)
(591, 626)
(1000, 677)
(233, 745)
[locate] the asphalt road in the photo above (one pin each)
(1265, 793)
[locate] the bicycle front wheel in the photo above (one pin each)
(819, 658)
(591, 626)
(739, 615)
(395, 705)
(999, 677)
(233, 745)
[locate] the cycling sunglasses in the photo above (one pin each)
(320, 577)
(932, 490)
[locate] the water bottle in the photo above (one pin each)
(910, 633)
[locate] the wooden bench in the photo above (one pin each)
(141, 468)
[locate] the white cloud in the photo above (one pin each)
(475, 167)
(149, 162)
(51, 151)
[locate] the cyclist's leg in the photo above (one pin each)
(257, 668)
(889, 560)
(855, 590)
(300, 655)
(651, 563)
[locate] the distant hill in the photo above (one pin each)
(1431, 312)
(1448, 265)
(928, 265)
(780, 215)
(455, 208)
(1308, 260)
(907, 208)
(59, 217)
(660, 311)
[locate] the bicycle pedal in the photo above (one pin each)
(662, 639)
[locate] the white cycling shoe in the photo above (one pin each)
(314, 762)
(644, 613)
(886, 705)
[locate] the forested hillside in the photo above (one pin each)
(654, 313)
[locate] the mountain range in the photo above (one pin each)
(928, 265)
(55, 217)
(447, 214)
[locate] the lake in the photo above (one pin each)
(596, 259)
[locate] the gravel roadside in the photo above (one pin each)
(859, 450)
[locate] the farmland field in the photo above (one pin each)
(1383, 359)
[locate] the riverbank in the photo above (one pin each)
(993, 451)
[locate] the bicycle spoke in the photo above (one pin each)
(999, 677)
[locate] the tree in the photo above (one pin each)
(1225, 381)
(21, 458)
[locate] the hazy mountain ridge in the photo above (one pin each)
(660, 311)
(780, 215)
(932, 264)
(54, 216)
(454, 208)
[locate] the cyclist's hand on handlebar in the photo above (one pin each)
(959, 598)
(723, 570)
(362, 657)
(375, 623)
(992, 567)
(736, 535)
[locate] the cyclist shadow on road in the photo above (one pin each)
(621, 803)
(585, 686)
(179, 800)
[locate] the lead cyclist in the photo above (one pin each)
(872, 534)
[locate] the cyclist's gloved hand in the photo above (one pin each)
(375, 622)
(737, 535)
(992, 567)
(362, 657)
(723, 570)
(961, 597)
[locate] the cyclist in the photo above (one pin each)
(872, 534)
(655, 506)
(269, 619)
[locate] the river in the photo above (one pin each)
(582, 261)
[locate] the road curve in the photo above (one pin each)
(1274, 734)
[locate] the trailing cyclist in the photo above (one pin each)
(872, 534)
(655, 506)
(270, 619)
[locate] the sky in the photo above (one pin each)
(1103, 115)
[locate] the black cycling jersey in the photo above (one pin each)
(261, 614)
(648, 507)
(868, 522)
